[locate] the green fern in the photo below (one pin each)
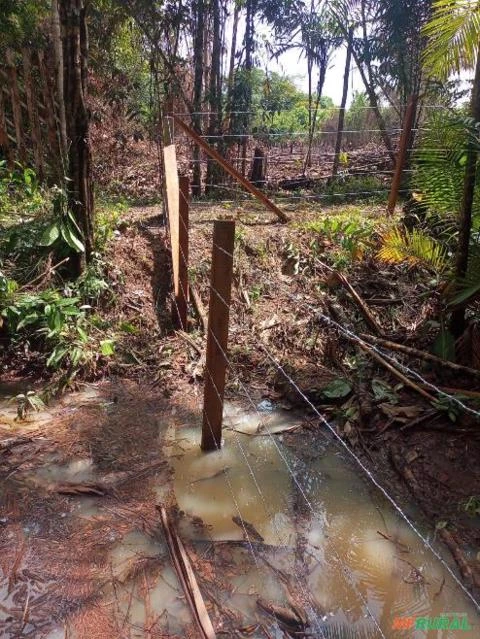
(415, 247)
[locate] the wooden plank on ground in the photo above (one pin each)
(187, 577)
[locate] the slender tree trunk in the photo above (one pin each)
(32, 107)
(341, 113)
(465, 219)
(251, 6)
(372, 97)
(215, 96)
(321, 82)
(197, 94)
(80, 188)
(54, 151)
(4, 141)
(365, 67)
(16, 105)
(233, 52)
(59, 74)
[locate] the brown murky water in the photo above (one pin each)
(319, 519)
(353, 573)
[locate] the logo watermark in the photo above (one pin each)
(445, 621)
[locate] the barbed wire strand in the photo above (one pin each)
(345, 568)
(359, 461)
(275, 111)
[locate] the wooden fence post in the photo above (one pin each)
(402, 152)
(217, 337)
(182, 297)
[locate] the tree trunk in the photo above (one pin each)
(372, 97)
(59, 74)
(341, 114)
(321, 82)
(457, 325)
(233, 51)
(16, 105)
(214, 171)
(80, 188)
(251, 7)
(5, 146)
(32, 108)
(54, 152)
(197, 95)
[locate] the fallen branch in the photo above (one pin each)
(360, 302)
(396, 373)
(467, 573)
(415, 352)
(44, 274)
(190, 342)
(200, 308)
(80, 489)
(187, 577)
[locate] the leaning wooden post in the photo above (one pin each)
(182, 293)
(402, 152)
(218, 316)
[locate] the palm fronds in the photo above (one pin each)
(439, 162)
(414, 247)
(453, 34)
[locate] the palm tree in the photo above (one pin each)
(454, 44)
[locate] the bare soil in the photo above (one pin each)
(54, 564)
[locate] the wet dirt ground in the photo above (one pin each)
(279, 516)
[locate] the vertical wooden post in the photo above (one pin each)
(402, 152)
(182, 297)
(217, 340)
(172, 192)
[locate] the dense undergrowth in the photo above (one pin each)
(48, 319)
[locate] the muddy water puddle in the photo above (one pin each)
(276, 520)
(327, 525)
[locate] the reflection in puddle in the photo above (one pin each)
(352, 571)
(163, 605)
(319, 521)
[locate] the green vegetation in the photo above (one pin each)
(42, 309)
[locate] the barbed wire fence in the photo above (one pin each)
(331, 434)
(297, 166)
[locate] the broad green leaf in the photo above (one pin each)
(50, 235)
(72, 240)
(337, 389)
